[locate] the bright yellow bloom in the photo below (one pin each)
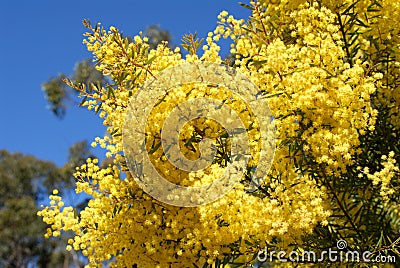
(321, 105)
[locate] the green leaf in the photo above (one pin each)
(98, 108)
(150, 60)
(246, 6)
(83, 101)
(272, 95)
(155, 148)
(110, 91)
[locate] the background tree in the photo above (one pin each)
(25, 182)
(156, 36)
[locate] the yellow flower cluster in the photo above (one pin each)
(377, 36)
(384, 177)
(193, 129)
(317, 97)
(58, 219)
(321, 106)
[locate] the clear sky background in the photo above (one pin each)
(40, 39)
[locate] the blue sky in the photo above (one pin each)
(40, 39)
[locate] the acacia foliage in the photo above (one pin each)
(330, 70)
